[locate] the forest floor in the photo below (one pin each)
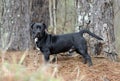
(69, 68)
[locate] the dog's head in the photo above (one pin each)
(38, 30)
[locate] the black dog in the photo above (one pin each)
(53, 44)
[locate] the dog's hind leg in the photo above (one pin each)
(87, 58)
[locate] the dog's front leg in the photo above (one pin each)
(46, 57)
(46, 54)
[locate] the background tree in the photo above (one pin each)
(16, 17)
(117, 24)
(15, 24)
(40, 11)
(52, 13)
(97, 16)
(66, 16)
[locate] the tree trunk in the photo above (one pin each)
(117, 24)
(0, 20)
(97, 16)
(15, 25)
(52, 13)
(40, 11)
(65, 16)
(16, 17)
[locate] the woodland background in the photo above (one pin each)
(65, 16)
(18, 60)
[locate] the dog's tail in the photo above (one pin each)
(90, 33)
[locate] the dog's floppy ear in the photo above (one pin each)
(46, 29)
(44, 25)
(31, 24)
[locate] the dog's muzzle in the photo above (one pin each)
(38, 35)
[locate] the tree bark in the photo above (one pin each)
(65, 16)
(0, 20)
(40, 11)
(15, 25)
(15, 22)
(117, 24)
(52, 13)
(97, 16)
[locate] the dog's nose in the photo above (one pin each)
(38, 33)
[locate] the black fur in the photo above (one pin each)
(54, 44)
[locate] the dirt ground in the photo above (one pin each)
(71, 68)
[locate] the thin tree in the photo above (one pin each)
(65, 15)
(52, 13)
